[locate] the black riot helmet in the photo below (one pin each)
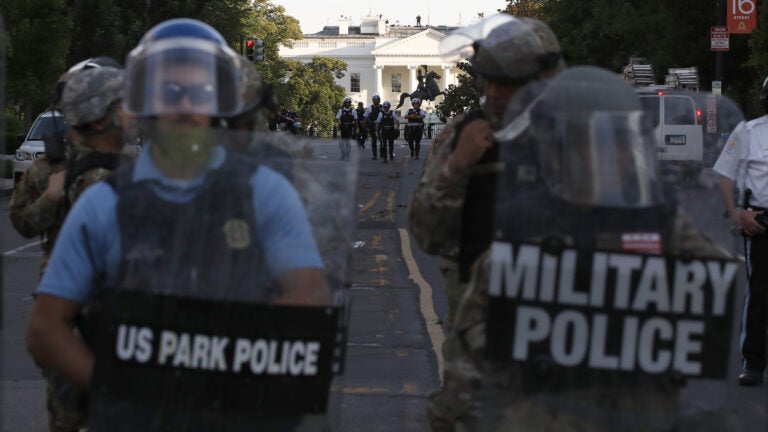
(595, 146)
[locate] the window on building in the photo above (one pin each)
(396, 83)
(354, 82)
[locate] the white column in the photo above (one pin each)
(412, 78)
(446, 76)
(379, 88)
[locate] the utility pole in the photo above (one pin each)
(721, 5)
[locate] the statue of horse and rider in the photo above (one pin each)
(427, 88)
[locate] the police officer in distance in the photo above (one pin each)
(387, 127)
(361, 134)
(415, 126)
(346, 123)
(369, 123)
(742, 163)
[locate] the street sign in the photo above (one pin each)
(717, 87)
(742, 16)
(719, 38)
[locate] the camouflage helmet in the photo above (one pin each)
(88, 94)
(90, 63)
(513, 50)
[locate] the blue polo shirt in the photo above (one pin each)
(89, 242)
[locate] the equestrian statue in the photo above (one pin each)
(427, 88)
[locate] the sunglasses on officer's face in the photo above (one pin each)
(171, 93)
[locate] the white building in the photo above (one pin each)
(381, 58)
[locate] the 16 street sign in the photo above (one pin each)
(742, 16)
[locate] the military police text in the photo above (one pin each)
(654, 301)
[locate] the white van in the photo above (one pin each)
(33, 145)
(678, 126)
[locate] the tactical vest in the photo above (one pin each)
(360, 115)
(419, 120)
(204, 248)
(375, 110)
(347, 119)
(387, 120)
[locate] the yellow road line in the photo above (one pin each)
(390, 207)
(370, 203)
(427, 306)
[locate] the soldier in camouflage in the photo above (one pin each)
(480, 394)
(34, 207)
(90, 104)
(458, 175)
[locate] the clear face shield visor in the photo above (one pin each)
(183, 76)
(606, 159)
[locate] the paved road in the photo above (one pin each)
(397, 306)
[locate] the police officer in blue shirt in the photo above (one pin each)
(185, 209)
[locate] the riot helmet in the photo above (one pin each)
(595, 146)
(183, 66)
(89, 95)
(415, 101)
(347, 100)
(386, 105)
(512, 51)
(376, 99)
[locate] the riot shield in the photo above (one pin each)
(228, 311)
(611, 293)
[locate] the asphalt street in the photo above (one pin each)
(397, 304)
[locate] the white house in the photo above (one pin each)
(381, 58)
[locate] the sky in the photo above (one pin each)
(314, 14)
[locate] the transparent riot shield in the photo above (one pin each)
(609, 294)
(228, 308)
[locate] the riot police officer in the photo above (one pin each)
(362, 134)
(346, 121)
(387, 127)
(415, 127)
(161, 231)
(369, 122)
(581, 184)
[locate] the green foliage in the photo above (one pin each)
(311, 90)
(460, 98)
(38, 35)
(667, 34)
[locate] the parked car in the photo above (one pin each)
(33, 144)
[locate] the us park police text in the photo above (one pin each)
(571, 303)
(212, 353)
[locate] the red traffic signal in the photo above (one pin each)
(249, 49)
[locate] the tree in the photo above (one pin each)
(38, 35)
(310, 88)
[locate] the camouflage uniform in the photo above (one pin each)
(86, 98)
(32, 214)
(472, 383)
(480, 394)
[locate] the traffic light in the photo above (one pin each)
(259, 50)
(250, 44)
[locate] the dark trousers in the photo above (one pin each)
(374, 141)
(753, 319)
(387, 140)
(414, 140)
